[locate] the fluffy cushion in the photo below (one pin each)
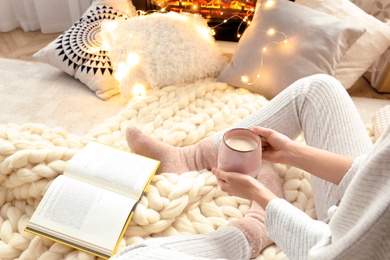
(316, 43)
(79, 50)
(367, 48)
(161, 49)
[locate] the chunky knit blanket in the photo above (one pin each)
(32, 155)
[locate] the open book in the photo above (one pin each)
(90, 206)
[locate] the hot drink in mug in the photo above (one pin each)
(240, 151)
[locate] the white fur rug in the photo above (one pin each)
(39, 93)
(32, 155)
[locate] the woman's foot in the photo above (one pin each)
(252, 224)
(173, 159)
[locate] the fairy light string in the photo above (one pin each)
(271, 32)
(134, 58)
(263, 49)
(194, 6)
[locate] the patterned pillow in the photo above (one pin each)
(79, 51)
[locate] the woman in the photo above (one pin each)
(350, 179)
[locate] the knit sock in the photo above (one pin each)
(202, 155)
(252, 224)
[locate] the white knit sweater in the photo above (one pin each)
(359, 228)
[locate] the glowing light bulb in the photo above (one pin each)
(285, 41)
(271, 31)
(106, 44)
(264, 49)
(224, 21)
(244, 79)
(121, 72)
(269, 3)
(139, 90)
(204, 32)
(238, 35)
(110, 26)
(133, 59)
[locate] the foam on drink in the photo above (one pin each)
(241, 143)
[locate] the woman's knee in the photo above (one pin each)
(324, 82)
(320, 87)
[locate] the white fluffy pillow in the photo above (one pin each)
(366, 49)
(159, 49)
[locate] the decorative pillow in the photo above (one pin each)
(365, 5)
(381, 10)
(161, 49)
(315, 44)
(367, 48)
(79, 50)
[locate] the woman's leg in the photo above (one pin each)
(320, 107)
(243, 238)
(317, 105)
(202, 155)
(225, 243)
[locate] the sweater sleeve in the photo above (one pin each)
(346, 180)
(292, 230)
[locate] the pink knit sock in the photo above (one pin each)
(252, 224)
(173, 159)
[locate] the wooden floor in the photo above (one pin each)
(21, 45)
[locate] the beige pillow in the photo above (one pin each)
(367, 48)
(316, 43)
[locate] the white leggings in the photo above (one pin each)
(317, 105)
(321, 108)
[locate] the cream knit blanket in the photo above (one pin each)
(32, 155)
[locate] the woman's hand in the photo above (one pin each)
(244, 186)
(276, 146)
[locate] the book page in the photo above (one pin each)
(111, 168)
(82, 214)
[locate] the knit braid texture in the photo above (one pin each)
(32, 155)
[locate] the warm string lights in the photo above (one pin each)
(194, 7)
(271, 33)
(244, 20)
(268, 33)
(134, 59)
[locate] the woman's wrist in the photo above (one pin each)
(293, 153)
(262, 195)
